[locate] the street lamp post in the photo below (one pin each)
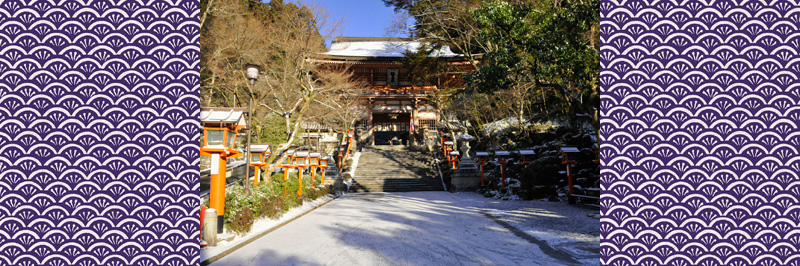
(252, 76)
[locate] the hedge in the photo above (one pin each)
(267, 200)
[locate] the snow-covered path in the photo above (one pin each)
(428, 228)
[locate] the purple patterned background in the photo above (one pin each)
(99, 133)
(700, 107)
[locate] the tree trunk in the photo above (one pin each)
(274, 164)
(288, 120)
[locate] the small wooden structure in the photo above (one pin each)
(483, 158)
(258, 154)
(502, 160)
(566, 152)
(454, 157)
(323, 163)
(525, 156)
(300, 162)
(313, 164)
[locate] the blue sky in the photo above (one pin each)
(362, 18)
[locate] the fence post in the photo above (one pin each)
(210, 227)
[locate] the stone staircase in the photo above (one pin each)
(395, 169)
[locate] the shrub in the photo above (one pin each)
(241, 222)
(271, 207)
(267, 200)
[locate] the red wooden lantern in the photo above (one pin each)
(502, 160)
(566, 152)
(483, 158)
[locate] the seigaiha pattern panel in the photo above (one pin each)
(700, 110)
(99, 132)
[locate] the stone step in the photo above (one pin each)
(397, 181)
(379, 165)
(396, 161)
(409, 177)
(391, 172)
(357, 189)
(395, 168)
(398, 175)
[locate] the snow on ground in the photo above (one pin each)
(228, 240)
(429, 228)
(573, 229)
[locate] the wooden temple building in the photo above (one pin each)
(397, 106)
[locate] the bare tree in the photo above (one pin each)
(443, 22)
(342, 99)
(281, 38)
(291, 84)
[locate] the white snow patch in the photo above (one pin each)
(466, 137)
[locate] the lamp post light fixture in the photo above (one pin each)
(220, 126)
(252, 72)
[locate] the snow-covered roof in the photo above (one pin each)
(258, 148)
(381, 47)
(569, 149)
(527, 152)
(502, 153)
(225, 115)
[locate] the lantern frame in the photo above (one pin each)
(300, 159)
(287, 162)
(262, 151)
(314, 159)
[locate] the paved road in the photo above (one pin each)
(420, 228)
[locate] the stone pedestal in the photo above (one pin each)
(210, 227)
(467, 176)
